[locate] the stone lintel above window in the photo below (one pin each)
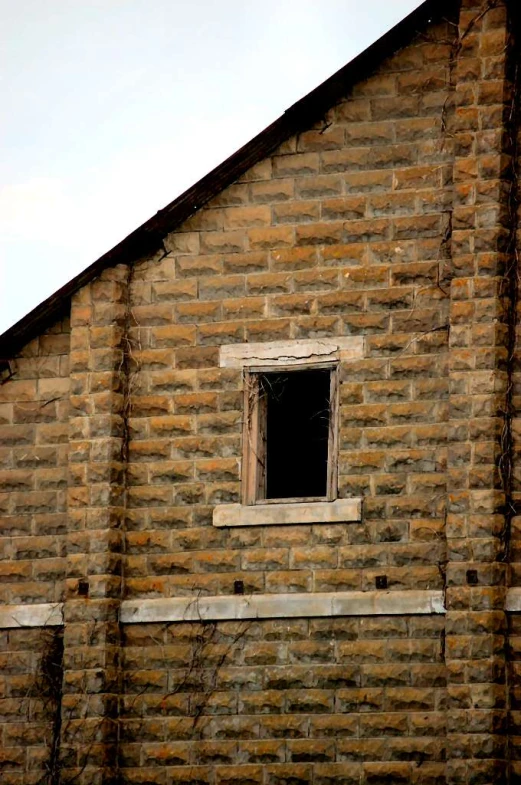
(291, 353)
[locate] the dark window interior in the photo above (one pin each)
(297, 433)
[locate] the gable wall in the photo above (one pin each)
(342, 232)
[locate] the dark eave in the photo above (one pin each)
(148, 237)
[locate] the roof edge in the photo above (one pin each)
(147, 238)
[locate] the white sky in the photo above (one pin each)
(111, 108)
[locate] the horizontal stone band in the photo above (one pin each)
(282, 606)
(255, 606)
(43, 615)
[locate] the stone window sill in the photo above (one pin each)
(339, 511)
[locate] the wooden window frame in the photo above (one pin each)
(254, 435)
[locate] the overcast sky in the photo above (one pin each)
(111, 108)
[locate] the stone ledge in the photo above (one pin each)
(288, 353)
(255, 606)
(513, 601)
(340, 511)
(43, 615)
(283, 606)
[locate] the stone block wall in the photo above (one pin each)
(30, 705)
(301, 701)
(344, 231)
(393, 220)
(34, 450)
(34, 446)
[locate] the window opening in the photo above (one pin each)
(290, 435)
